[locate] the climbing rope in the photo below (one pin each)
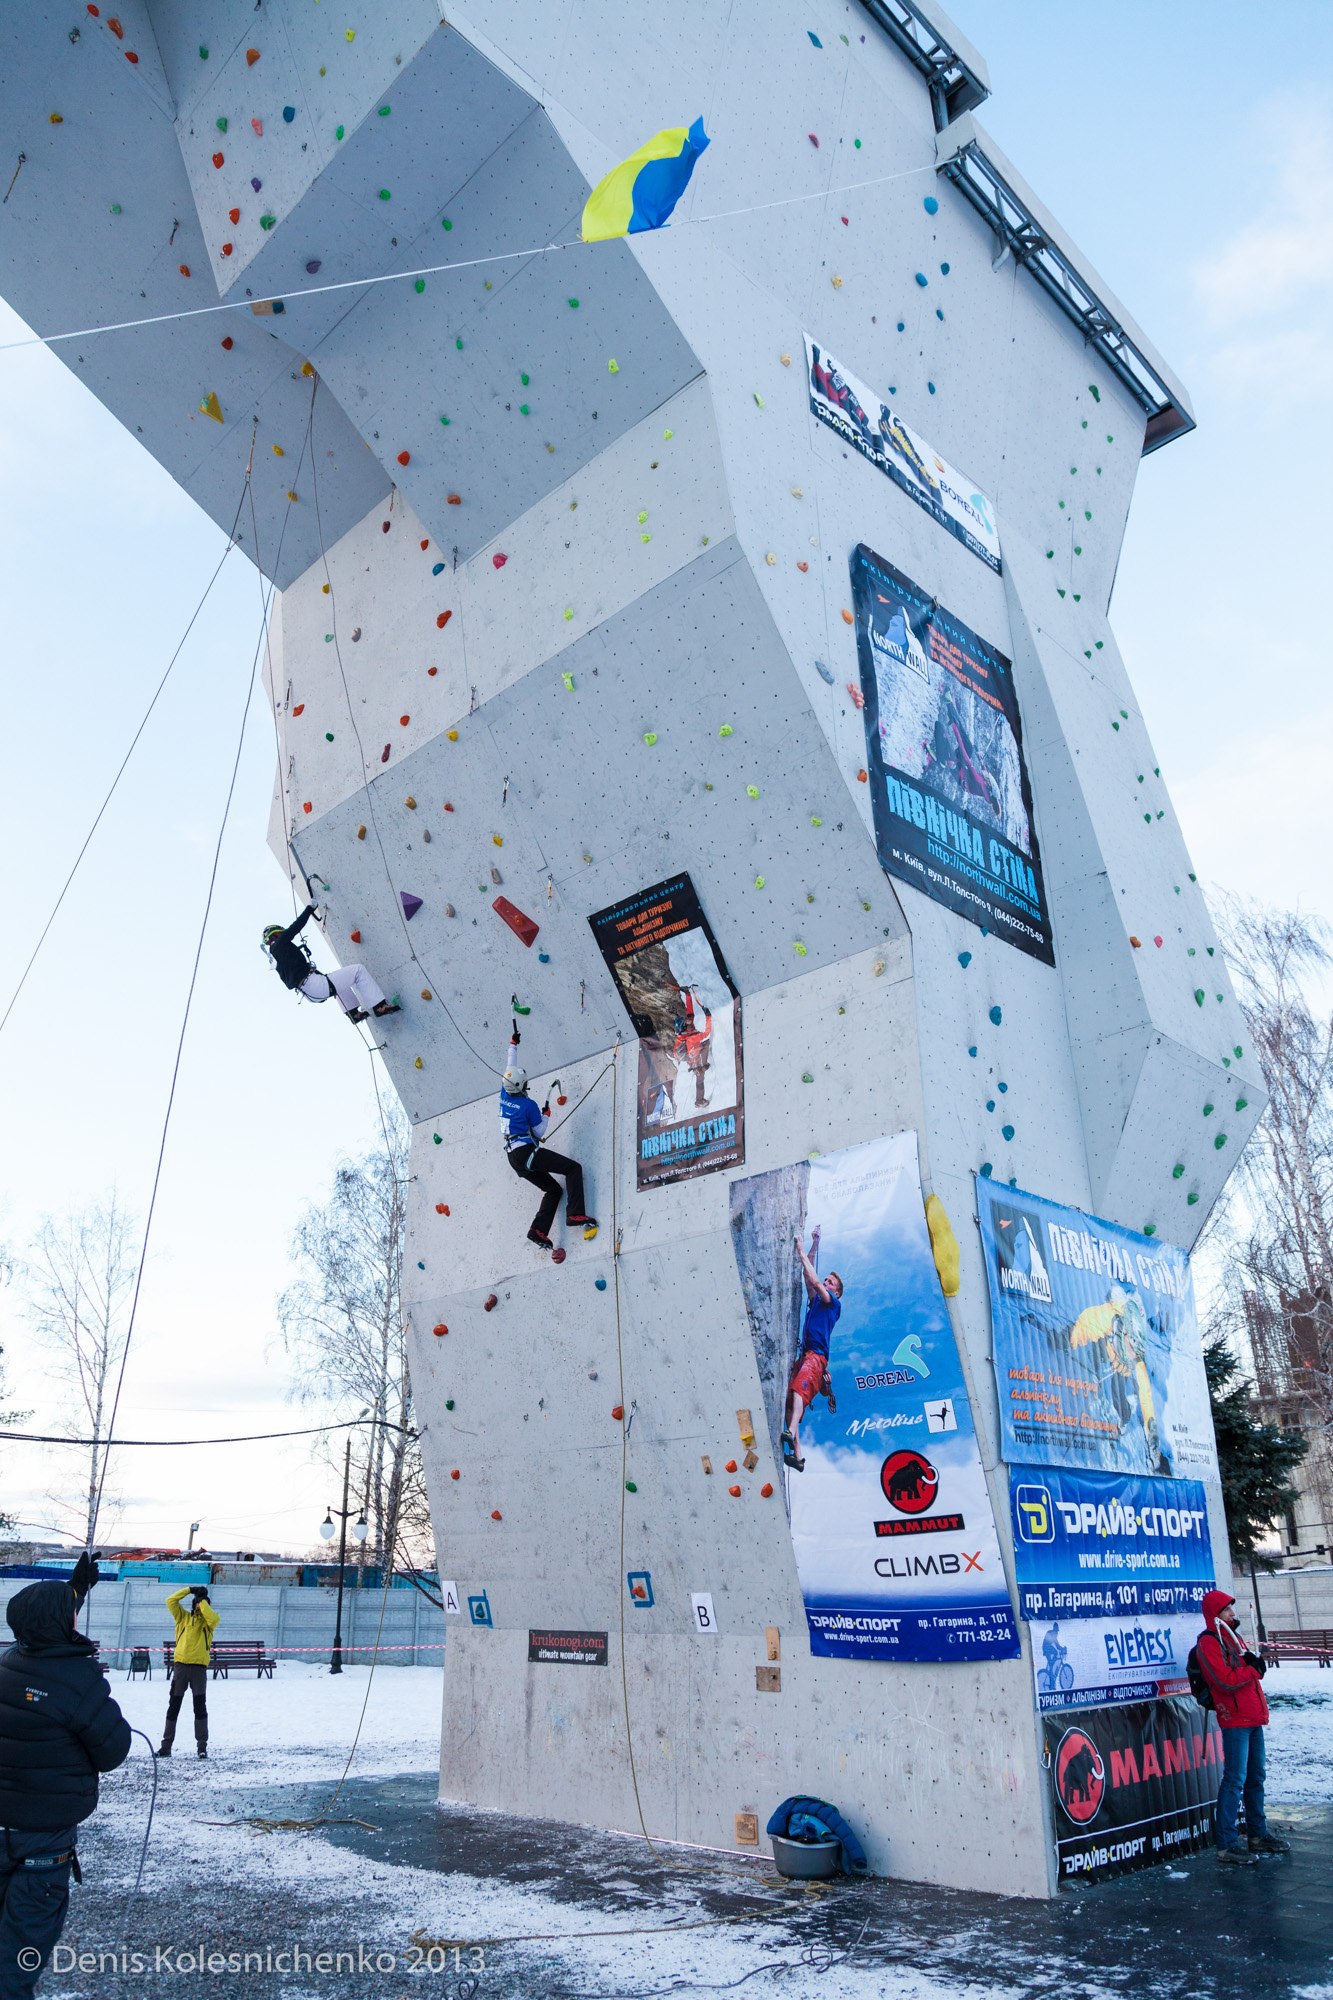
(185, 1017)
(133, 745)
(366, 785)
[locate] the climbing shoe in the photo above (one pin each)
(386, 1007)
(535, 1236)
(789, 1453)
(356, 1015)
(581, 1221)
(1237, 1857)
(1270, 1843)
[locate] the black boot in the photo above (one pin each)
(203, 1750)
(165, 1751)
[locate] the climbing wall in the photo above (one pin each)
(566, 613)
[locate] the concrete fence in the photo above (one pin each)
(293, 1623)
(1292, 1600)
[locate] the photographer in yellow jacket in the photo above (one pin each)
(194, 1647)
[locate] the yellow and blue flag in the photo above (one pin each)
(643, 190)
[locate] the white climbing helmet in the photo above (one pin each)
(515, 1081)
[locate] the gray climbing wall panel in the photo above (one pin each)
(567, 613)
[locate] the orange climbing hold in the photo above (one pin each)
(442, 621)
(735, 1492)
(1136, 942)
(403, 721)
(439, 1330)
(766, 1490)
(846, 616)
(862, 778)
(731, 1465)
(115, 27)
(299, 709)
(252, 57)
(233, 215)
(404, 458)
(455, 1474)
(454, 499)
(441, 1208)
(858, 699)
(496, 1515)
(184, 270)
(617, 1412)
(355, 936)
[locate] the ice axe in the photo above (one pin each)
(559, 1094)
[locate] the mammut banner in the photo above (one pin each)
(1108, 1544)
(1131, 1785)
(1097, 1355)
(687, 1016)
(1092, 1662)
(895, 1541)
(865, 422)
(944, 753)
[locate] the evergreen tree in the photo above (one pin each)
(1255, 1459)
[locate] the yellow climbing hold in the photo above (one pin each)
(410, 803)
(770, 559)
(641, 516)
(799, 948)
(425, 993)
(613, 367)
(668, 435)
(836, 282)
(758, 881)
(361, 833)
(211, 407)
(419, 1064)
(759, 401)
(650, 737)
(568, 680)
(725, 730)
(785, 359)
(278, 451)
(307, 369)
(798, 493)
(569, 612)
(452, 734)
(325, 588)
(497, 840)
(944, 1245)
(752, 791)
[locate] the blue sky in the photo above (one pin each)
(1187, 148)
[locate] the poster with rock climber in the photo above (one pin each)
(868, 1410)
(944, 753)
(690, 1108)
(878, 433)
(1097, 1355)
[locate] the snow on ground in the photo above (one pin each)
(283, 1886)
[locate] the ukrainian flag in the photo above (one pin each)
(643, 190)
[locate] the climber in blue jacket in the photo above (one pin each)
(524, 1124)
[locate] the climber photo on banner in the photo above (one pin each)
(867, 1408)
(944, 755)
(1097, 1355)
(878, 433)
(673, 981)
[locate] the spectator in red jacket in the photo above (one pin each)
(1235, 1677)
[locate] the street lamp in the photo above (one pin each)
(360, 1530)
(194, 1530)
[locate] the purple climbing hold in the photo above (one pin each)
(411, 904)
(313, 264)
(256, 183)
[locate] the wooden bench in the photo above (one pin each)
(230, 1653)
(1313, 1643)
(241, 1653)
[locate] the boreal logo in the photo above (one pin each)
(910, 1481)
(1080, 1776)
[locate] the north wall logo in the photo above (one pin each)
(1020, 1255)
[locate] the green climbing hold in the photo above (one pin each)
(448, 1402)
(328, 736)
(444, 420)
(1219, 1141)
(338, 131)
(857, 144)
(116, 208)
(221, 124)
(420, 285)
(572, 302)
(203, 53)
(385, 195)
(523, 410)
(1198, 996)
(752, 791)
(725, 730)
(436, 1137)
(806, 1076)
(630, 1487)
(385, 110)
(1190, 1200)
(459, 342)
(267, 221)
(1094, 392)
(1242, 1103)
(650, 737)
(1177, 1172)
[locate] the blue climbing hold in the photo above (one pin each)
(986, 1170)
(930, 205)
(600, 1284)
(922, 279)
(436, 569)
(543, 958)
(1008, 1131)
(902, 326)
(288, 113)
(972, 1051)
(944, 269)
(995, 1016)
(814, 38)
(823, 672)
(965, 959)
(931, 387)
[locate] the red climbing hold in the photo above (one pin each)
(862, 778)
(498, 561)
(307, 807)
(454, 499)
(731, 1465)
(448, 806)
(426, 543)
(557, 1256)
(228, 342)
(130, 56)
(439, 1330)
(233, 215)
(432, 671)
(384, 754)
(403, 721)
(218, 159)
(1158, 942)
(813, 140)
(184, 270)
(115, 27)
(227, 249)
(404, 458)
(94, 11)
(355, 936)
(766, 1490)
(804, 568)
(441, 1208)
(489, 1303)
(299, 709)
(252, 57)
(562, 1099)
(617, 1412)
(443, 620)
(385, 527)
(496, 1515)
(735, 1492)
(523, 927)
(455, 1474)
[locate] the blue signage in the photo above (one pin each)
(1107, 1544)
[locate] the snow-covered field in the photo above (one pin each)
(210, 1875)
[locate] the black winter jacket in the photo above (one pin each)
(58, 1723)
(288, 956)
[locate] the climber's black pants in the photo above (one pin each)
(540, 1165)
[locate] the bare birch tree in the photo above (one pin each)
(342, 1326)
(80, 1279)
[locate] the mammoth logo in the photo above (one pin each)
(1080, 1776)
(910, 1481)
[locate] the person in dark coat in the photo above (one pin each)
(59, 1728)
(1235, 1677)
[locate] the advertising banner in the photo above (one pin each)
(1092, 1662)
(895, 1541)
(687, 1016)
(1097, 1355)
(1108, 1544)
(1131, 1785)
(944, 753)
(567, 1649)
(870, 427)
